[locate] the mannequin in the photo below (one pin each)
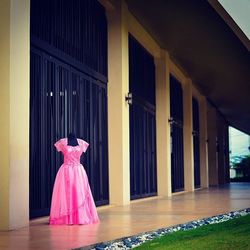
(72, 201)
(72, 141)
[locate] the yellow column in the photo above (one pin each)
(188, 137)
(118, 109)
(162, 125)
(14, 116)
(221, 132)
(212, 153)
(203, 143)
(4, 114)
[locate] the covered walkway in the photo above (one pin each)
(139, 216)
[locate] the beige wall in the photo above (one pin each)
(15, 116)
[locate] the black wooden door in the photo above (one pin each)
(68, 93)
(143, 179)
(48, 81)
(196, 143)
(64, 100)
(176, 121)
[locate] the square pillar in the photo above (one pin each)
(212, 145)
(188, 137)
(162, 125)
(203, 143)
(118, 109)
(14, 115)
(4, 114)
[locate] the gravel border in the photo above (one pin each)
(136, 240)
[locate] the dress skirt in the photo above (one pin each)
(72, 201)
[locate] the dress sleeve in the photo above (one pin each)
(83, 144)
(59, 145)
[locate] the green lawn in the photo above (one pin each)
(232, 235)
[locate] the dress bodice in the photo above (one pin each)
(71, 154)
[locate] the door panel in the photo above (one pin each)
(47, 123)
(176, 113)
(196, 143)
(65, 100)
(143, 179)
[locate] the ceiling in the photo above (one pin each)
(207, 46)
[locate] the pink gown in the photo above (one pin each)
(72, 201)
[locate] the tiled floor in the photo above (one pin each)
(139, 216)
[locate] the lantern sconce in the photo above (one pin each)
(171, 120)
(129, 98)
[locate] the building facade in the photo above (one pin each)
(92, 68)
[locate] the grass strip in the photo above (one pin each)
(232, 234)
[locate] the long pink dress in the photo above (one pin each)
(72, 201)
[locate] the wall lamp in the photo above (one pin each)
(129, 98)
